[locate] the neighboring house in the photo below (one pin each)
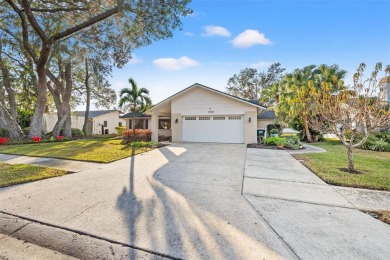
(100, 121)
(202, 114)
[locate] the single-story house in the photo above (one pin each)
(202, 114)
(100, 121)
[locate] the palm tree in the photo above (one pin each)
(136, 98)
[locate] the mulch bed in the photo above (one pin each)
(263, 146)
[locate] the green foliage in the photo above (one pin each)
(4, 132)
(77, 133)
(273, 126)
(120, 129)
(275, 140)
(24, 117)
(143, 144)
(379, 141)
(274, 131)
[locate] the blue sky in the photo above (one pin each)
(223, 37)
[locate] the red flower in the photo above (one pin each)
(60, 137)
(3, 140)
(36, 139)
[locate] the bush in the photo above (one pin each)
(379, 141)
(273, 141)
(120, 129)
(4, 132)
(274, 131)
(77, 133)
(273, 126)
(140, 135)
(143, 144)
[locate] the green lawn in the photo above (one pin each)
(102, 150)
(376, 166)
(11, 174)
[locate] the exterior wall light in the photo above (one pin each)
(250, 119)
(176, 120)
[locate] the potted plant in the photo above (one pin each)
(274, 132)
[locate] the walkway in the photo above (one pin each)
(316, 220)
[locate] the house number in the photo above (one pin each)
(210, 112)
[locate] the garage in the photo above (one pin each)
(202, 114)
(214, 129)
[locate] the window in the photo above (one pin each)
(105, 123)
(190, 118)
(139, 124)
(204, 118)
(234, 117)
(120, 124)
(218, 118)
(164, 124)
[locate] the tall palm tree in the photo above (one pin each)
(137, 99)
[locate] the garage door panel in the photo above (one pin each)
(220, 129)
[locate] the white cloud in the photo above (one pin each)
(135, 59)
(212, 30)
(175, 64)
(189, 34)
(250, 37)
(261, 65)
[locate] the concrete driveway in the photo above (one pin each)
(179, 201)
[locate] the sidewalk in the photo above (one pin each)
(316, 220)
(68, 165)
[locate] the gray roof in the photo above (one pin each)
(93, 114)
(137, 114)
(269, 114)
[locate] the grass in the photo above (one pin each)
(102, 150)
(383, 215)
(11, 174)
(375, 166)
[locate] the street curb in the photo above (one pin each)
(71, 242)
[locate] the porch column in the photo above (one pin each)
(154, 126)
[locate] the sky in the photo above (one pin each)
(223, 37)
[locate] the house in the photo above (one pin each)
(268, 117)
(202, 114)
(100, 121)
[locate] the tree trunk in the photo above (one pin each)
(351, 165)
(133, 124)
(88, 101)
(9, 123)
(307, 130)
(36, 122)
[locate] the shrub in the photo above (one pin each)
(273, 126)
(140, 135)
(378, 141)
(274, 131)
(120, 129)
(272, 141)
(281, 142)
(3, 140)
(4, 132)
(143, 144)
(36, 139)
(77, 133)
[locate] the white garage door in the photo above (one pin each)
(214, 129)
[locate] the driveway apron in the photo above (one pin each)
(183, 201)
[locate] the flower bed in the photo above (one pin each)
(4, 140)
(140, 135)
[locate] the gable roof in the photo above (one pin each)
(249, 102)
(268, 114)
(93, 114)
(137, 114)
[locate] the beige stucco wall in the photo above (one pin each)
(177, 128)
(262, 123)
(250, 127)
(200, 101)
